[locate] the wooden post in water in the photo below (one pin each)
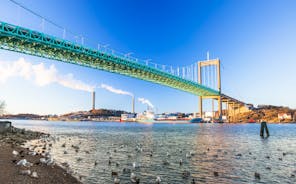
(264, 127)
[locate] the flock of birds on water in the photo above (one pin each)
(43, 147)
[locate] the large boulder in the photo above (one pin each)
(5, 126)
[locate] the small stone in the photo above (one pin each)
(22, 162)
(268, 168)
(280, 159)
(34, 175)
(193, 181)
(216, 173)
(25, 172)
(65, 164)
(238, 155)
(21, 152)
(33, 153)
(268, 157)
(49, 161)
(257, 176)
(292, 175)
(43, 160)
(65, 152)
(15, 153)
(284, 154)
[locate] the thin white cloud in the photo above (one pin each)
(41, 75)
(114, 90)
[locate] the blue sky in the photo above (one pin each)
(255, 41)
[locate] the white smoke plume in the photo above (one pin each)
(40, 75)
(145, 101)
(117, 91)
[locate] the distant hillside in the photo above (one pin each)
(95, 113)
(107, 112)
(268, 113)
(20, 116)
(80, 115)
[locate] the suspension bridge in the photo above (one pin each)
(191, 79)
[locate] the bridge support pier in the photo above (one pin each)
(200, 106)
(220, 107)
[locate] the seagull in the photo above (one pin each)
(188, 155)
(133, 177)
(135, 165)
(116, 181)
(158, 180)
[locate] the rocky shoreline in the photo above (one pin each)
(20, 165)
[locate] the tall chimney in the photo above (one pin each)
(133, 104)
(93, 100)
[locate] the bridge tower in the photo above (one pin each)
(216, 63)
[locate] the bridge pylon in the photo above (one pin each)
(216, 63)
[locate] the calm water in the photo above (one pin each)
(215, 147)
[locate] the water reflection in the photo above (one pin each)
(234, 152)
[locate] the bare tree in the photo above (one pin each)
(2, 107)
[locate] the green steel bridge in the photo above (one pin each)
(19, 39)
(27, 41)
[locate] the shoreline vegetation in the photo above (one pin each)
(22, 165)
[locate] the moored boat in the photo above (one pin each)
(196, 120)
